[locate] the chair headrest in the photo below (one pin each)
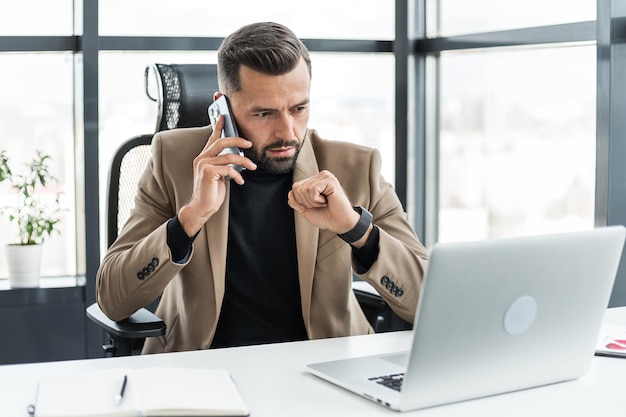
(185, 92)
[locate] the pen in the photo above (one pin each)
(120, 396)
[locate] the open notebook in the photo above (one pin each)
(147, 392)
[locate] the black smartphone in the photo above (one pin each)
(221, 106)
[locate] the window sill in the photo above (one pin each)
(49, 282)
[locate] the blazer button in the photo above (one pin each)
(140, 275)
(384, 280)
(146, 271)
(394, 289)
(155, 261)
(150, 267)
(400, 292)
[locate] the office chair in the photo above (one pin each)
(184, 94)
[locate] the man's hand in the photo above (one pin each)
(209, 171)
(321, 200)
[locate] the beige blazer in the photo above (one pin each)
(138, 266)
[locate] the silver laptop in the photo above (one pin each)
(495, 316)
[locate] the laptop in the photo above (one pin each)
(495, 316)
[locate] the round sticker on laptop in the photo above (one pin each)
(520, 315)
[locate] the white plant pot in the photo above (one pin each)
(24, 262)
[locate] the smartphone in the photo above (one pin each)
(221, 106)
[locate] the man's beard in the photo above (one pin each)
(280, 165)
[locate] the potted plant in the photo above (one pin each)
(36, 218)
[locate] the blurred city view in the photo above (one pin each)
(517, 142)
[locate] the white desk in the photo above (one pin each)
(273, 381)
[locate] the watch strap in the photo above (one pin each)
(361, 227)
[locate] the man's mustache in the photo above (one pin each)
(281, 144)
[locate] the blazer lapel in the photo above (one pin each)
(307, 235)
(217, 237)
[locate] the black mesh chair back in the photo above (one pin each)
(185, 91)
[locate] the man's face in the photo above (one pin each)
(272, 112)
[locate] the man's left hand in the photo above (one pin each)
(321, 200)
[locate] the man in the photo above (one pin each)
(266, 254)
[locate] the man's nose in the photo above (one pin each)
(284, 126)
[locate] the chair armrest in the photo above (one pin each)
(365, 291)
(141, 324)
(376, 310)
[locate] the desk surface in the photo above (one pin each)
(273, 381)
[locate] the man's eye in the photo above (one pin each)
(263, 114)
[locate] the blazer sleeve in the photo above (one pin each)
(399, 269)
(138, 265)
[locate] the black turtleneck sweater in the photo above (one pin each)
(262, 298)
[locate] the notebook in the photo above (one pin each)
(612, 341)
(139, 392)
(495, 316)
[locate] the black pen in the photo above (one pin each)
(120, 396)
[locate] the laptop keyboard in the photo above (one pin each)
(393, 381)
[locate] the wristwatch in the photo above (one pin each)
(361, 227)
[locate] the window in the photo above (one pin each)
(356, 106)
(325, 19)
(512, 141)
(517, 142)
(462, 16)
(37, 112)
(36, 17)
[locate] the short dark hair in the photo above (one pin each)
(266, 47)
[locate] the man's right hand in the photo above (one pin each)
(210, 170)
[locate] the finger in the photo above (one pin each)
(317, 187)
(233, 159)
(314, 194)
(217, 131)
(234, 142)
(221, 173)
(234, 175)
(293, 203)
